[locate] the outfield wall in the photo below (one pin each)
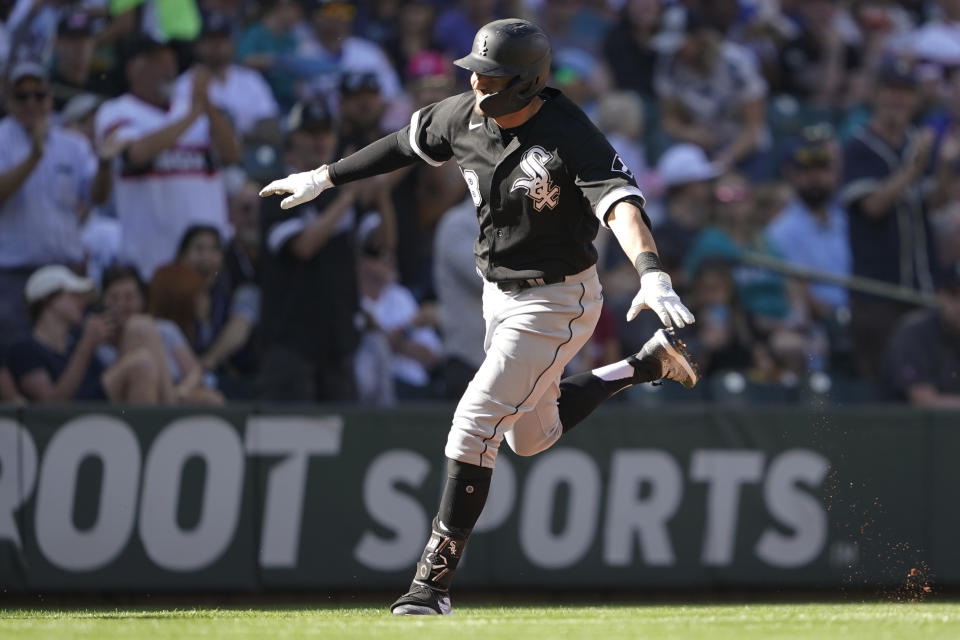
(257, 498)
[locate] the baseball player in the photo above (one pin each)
(543, 180)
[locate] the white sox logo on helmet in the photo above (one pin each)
(537, 183)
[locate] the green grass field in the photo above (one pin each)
(874, 621)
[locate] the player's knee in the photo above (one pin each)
(525, 449)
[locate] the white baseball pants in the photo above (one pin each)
(531, 336)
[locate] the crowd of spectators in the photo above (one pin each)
(786, 148)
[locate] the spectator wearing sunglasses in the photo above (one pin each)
(812, 230)
(48, 177)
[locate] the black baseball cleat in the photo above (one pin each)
(422, 600)
(676, 363)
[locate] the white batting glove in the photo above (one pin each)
(656, 293)
(303, 187)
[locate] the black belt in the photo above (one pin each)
(512, 286)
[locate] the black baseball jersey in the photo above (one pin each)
(541, 189)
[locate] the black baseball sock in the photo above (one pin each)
(464, 495)
(581, 393)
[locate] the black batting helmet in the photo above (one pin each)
(510, 48)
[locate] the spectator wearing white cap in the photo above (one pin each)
(58, 362)
(686, 174)
(48, 177)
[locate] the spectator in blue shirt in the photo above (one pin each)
(812, 230)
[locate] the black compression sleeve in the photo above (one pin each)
(382, 156)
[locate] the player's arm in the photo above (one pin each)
(627, 222)
(425, 139)
(383, 156)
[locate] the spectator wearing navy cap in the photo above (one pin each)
(362, 107)
(812, 230)
(73, 55)
(238, 90)
(48, 177)
(885, 190)
(308, 277)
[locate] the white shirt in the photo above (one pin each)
(180, 188)
(242, 93)
(38, 223)
(396, 307)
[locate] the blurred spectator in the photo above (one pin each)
(814, 60)
(687, 176)
(581, 77)
(330, 38)
(711, 93)
(32, 31)
(124, 303)
(923, 359)
(721, 336)
(362, 106)
(776, 314)
(938, 41)
(58, 362)
(234, 88)
(629, 48)
(74, 50)
(414, 344)
(572, 24)
(884, 165)
(269, 44)
(169, 171)
(412, 34)
(226, 322)
(812, 231)
(242, 253)
(101, 232)
(620, 115)
(48, 175)
(459, 297)
(310, 298)
(455, 27)
(9, 393)
(421, 194)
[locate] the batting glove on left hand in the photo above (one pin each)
(304, 187)
(656, 293)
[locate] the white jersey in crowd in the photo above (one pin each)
(242, 93)
(156, 203)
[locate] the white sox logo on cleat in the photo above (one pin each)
(538, 184)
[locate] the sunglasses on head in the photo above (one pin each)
(23, 96)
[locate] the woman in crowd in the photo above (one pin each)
(59, 361)
(124, 303)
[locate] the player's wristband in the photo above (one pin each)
(648, 261)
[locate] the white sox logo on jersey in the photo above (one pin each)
(537, 183)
